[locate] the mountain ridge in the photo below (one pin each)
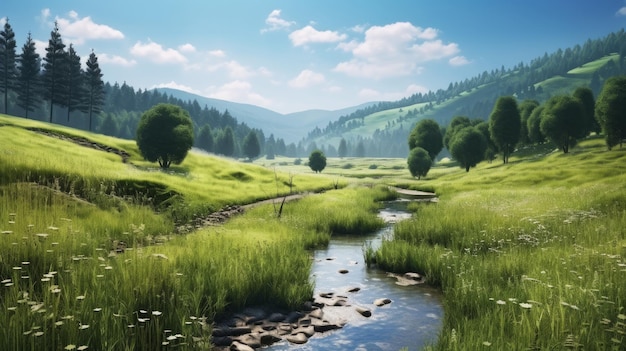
(291, 127)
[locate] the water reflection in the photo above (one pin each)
(412, 320)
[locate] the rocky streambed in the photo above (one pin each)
(354, 307)
(257, 327)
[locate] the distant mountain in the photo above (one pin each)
(384, 128)
(291, 127)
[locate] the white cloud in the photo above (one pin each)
(187, 48)
(621, 11)
(240, 91)
(116, 60)
(275, 22)
(458, 61)
(414, 89)
(40, 47)
(307, 78)
(394, 50)
(78, 30)
(358, 28)
(174, 85)
(309, 34)
(44, 15)
(217, 53)
(156, 53)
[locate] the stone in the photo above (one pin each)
(317, 313)
(343, 271)
(327, 295)
(365, 312)
(293, 317)
(324, 326)
(299, 338)
(269, 338)
(382, 302)
(252, 340)
(237, 346)
(276, 317)
(355, 289)
(309, 331)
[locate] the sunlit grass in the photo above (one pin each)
(84, 264)
(529, 255)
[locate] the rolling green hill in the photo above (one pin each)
(385, 130)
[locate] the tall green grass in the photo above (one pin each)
(104, 272)
(530, 255)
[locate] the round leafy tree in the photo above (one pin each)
(165, 134)
(468, 147)
(317, 161)
(610, 111)
(427, 135)
(505, 124)
(419, 162)
(563, 121)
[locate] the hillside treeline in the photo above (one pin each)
(520, 81)
(55, 88)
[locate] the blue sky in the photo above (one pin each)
(294, 55)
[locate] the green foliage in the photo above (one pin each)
(342, 151)
(533, 126)
(94, 93)
(610, 111)
(317, 161)
(427, 135)
(225, 143)
(585, 96)
(29, 80)
(419, 162)
(251, 146)
(537, 261)
(526, 108)
(468, 147)
(8, 71)
(563, 121)
(205, 138)
(492, 149)
(457, 123)
(165, 134)
(505, 125)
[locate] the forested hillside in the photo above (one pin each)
(383, 129)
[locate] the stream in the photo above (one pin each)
(412, 320)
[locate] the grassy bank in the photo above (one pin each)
(89, 260)
(529, 255)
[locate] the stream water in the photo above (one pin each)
(411, 320)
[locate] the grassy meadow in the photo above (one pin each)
(90, 258)
(529, 256)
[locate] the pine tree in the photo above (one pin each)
(29, 81)
(74, 81)
(8, 69)
(53, 77)
(94, 95)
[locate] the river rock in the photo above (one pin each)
(355, 289)
(237, 346)
(317, 313)
(276, 317)
(222, 340)
(343, 271)
(252, 340)
(321, 326)
(293, 317)
(299, 338)
(309, 331)
(269, 338)
(382, 302)
(365, 312)
(327, 295)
